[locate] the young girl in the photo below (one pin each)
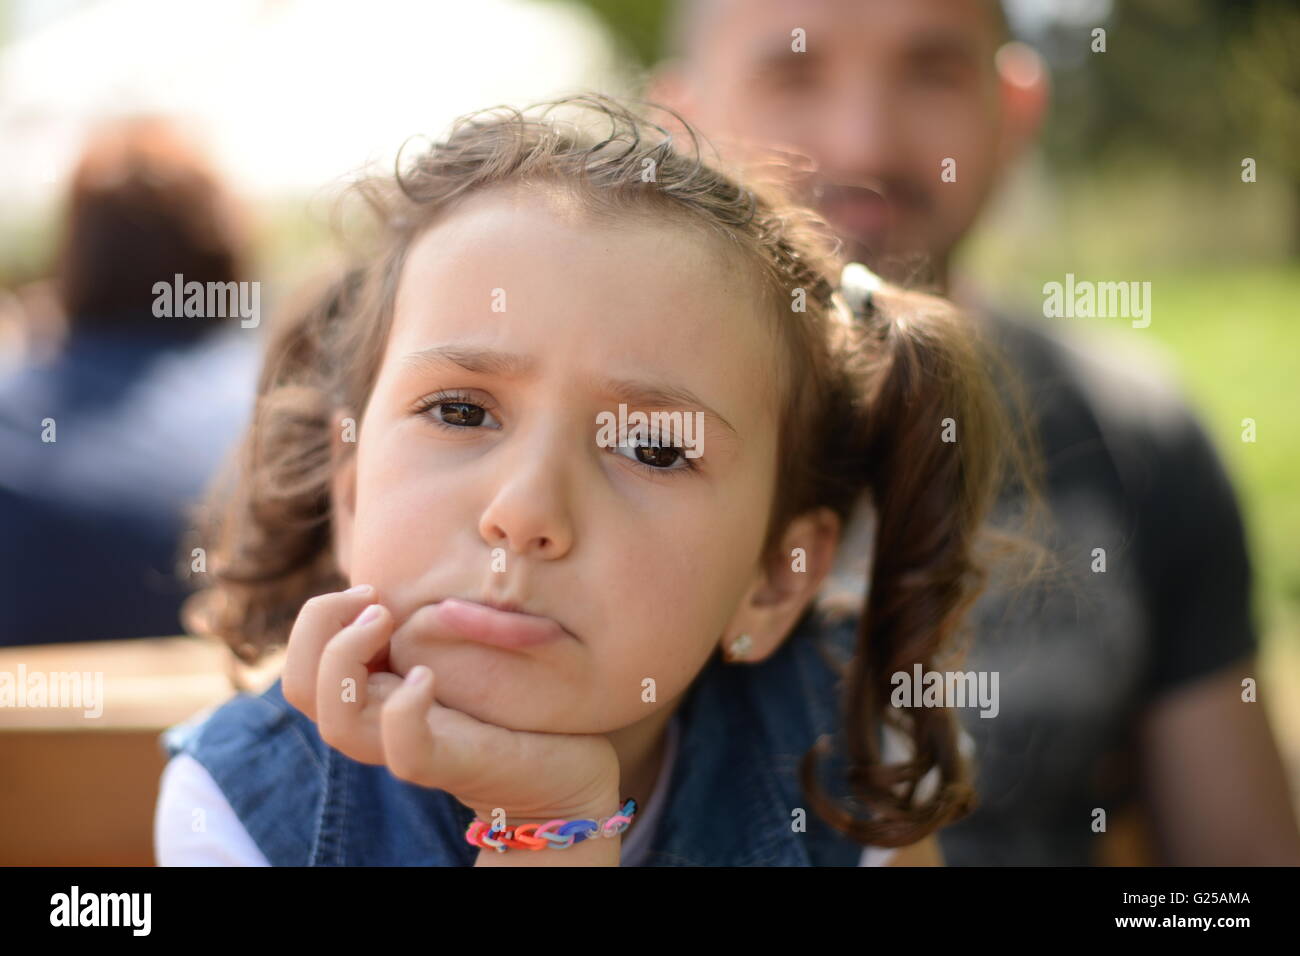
(500, 623)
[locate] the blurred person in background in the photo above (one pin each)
(106, 442)
(1118, 689)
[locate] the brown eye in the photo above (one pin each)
(456, 410)
(462, 414)
(669, 459)
(657, 457)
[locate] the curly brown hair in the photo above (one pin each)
(862, 406)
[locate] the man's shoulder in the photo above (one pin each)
(1119, 382)
(1124, 374)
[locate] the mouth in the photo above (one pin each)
(497, 624)
(863, 213)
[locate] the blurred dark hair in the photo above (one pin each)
(144, 205)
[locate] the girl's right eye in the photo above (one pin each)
(454, 410)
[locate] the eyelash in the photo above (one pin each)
(457, 397)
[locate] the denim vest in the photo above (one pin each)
(731, 801)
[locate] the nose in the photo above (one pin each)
(529, 512)
(858, 136)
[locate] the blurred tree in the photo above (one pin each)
(636, 24)
(1196, 84)
(1263, 74)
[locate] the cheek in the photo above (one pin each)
(403, 518)
(971, 143)
(669, 600)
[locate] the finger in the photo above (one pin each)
(320, 619)
(432, 745)
(346, 689)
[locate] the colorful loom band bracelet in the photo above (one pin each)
(554, 834)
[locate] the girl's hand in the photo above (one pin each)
(336, 672)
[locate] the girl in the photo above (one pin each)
(498, 627)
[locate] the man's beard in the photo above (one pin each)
(872, 222)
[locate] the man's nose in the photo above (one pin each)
(858, 137)
(529, 511)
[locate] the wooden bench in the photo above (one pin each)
(78, 790)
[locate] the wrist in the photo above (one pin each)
(607, 803)
(594, 832)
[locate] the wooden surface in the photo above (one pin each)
(79, 790)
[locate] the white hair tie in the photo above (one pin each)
(858, 286)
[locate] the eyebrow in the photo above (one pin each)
(939, 44)
(485, 361)
(930, 44)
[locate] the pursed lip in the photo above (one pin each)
(497, 623)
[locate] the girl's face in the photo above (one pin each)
(478, 473)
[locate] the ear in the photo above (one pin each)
(343, 487)
(785, 586)
(1025, 90)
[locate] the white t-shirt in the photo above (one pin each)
(223, 841)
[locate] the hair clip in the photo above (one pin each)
(858, 286)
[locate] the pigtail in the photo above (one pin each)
(934, 444)
(265, 520)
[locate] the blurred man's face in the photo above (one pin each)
(885, 92)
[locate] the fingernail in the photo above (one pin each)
(357, 589)
(418, 675)
(365, 617)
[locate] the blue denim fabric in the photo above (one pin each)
(731, 802)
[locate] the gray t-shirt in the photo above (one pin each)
(1079, 657)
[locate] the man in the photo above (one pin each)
(105, 444)
(1122, 687)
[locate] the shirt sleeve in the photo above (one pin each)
(194, 825)
(1194, 560)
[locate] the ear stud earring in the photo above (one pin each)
(740, 647)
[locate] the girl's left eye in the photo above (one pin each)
(658, 458)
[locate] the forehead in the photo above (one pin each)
(530, 271)
(855, 27)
